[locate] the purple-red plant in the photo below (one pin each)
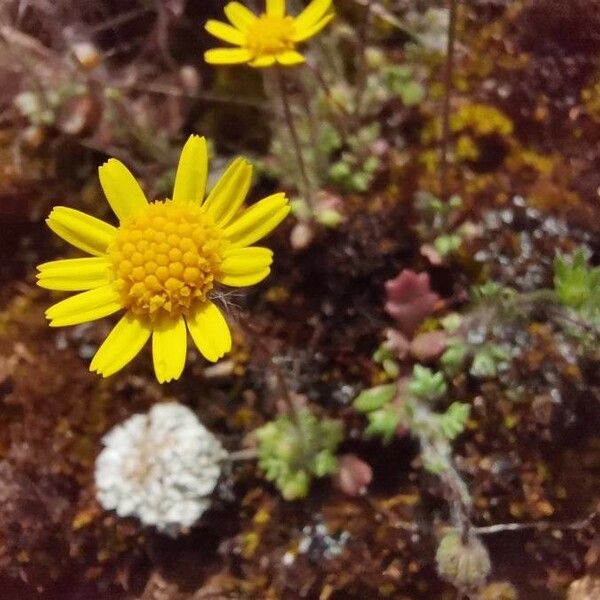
(410, 300)
(354, 475)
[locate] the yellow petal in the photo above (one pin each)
(225, 32)
(245, 280)
(169, 348)
(258, 220)
(263, 61)
(304, 33)
(121, 346)
(229, 193)
(84, 307)
(289, 58)
(81, 230)
(210, 332)
(239, 15)
(312, 13)
(190, 180)
(74, 274)
(227, 56)
(122, 191)
(245, 266)
(276, 8)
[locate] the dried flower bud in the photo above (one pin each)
(499, 590)
(88, 56)
(34, 136)
(301, 237)
(79, 115)
(190, 79)
(466, 565)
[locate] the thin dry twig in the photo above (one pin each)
(536, 525)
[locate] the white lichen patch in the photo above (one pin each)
(160, 467)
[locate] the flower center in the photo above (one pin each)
(270, 35)
(165, 259)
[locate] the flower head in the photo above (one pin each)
(159, 467)
(268, 38)
(163, 261)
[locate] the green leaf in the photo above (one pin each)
(374, 398)
(412, 93)
(484, 364)
(453, 421)
(330, 218)
(371, 164)
(382, 353)
(451, 322)
(340, 171)
(360, 182)
(295, 485)
(447, 244)
(293, 449)
(454, 357)
(426, 384)
(325, 464)
(391, 368)
(577, 285)
(383, 423)
(455, 201)
(301, 209)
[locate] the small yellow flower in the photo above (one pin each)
(268, 38)
(162, 262)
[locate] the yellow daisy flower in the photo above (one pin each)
(268, 38)
(162, 261)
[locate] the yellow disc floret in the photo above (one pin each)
(270, 35)
(165, 259)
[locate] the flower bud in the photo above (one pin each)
(466, 565)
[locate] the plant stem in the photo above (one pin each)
(289, 119)
(537, 525)
(342, 120)
(361, 67)
(242, 455)
(448, 85)
(313, 128)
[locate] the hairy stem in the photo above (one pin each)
(289, 119)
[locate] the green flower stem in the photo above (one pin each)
(313, 126)
(289, 119)
(320, 78)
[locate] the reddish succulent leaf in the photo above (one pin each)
(429, 346)
(410, 300)
(397, 343)
(354, 475)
